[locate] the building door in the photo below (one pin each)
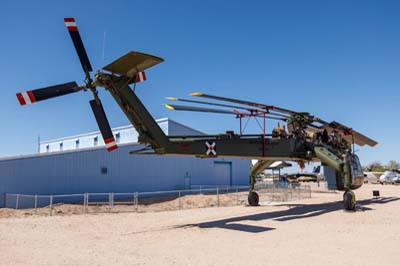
(223, 173)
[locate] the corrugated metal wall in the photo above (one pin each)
(123, 135)
(81, 171)
(175, 128)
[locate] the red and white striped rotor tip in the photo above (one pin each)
(26, 97)
(110, 144)
(71, 24)
(141, 76)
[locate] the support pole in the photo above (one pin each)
(36, 201)
(217, 196)
(17, 202)
(87, 202)
(237, 196)
(136, 194)
(264, 132)
(179, 199)
(110, 201)
(240, 119)
(51, 205)
(84, 202)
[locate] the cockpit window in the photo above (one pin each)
(355, 166)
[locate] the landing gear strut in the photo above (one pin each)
(349, 200)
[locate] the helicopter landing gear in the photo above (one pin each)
(253, 198)
(349, 200)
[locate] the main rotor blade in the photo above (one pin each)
(104, 126)
(351, 135)
(258, 105)
(215, 104)
(33, 96)
(251, 110)
(211, 110)
(80, 49)
(198, 109)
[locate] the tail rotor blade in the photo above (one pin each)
(76, 39)
(104, 126)
(140, 76)
(29, 97)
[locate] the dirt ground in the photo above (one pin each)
(154, 204)
(144, 205)
(309, 232)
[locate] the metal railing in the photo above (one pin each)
(202, 196)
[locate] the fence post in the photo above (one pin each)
(110, 199)
(237, 196)
(36, 198)
(87, 201)
(217, 196)
(136, 201)
(5, 200)
(179, 199)
(84, 202)
(51, 205)
(17, 202)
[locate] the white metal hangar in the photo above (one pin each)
(80, 164)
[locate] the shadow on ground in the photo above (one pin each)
(295, 211)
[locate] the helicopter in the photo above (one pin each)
(309, 138)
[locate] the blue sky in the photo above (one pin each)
(339, 60)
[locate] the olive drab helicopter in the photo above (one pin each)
(309, 138)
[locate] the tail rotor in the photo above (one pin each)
(41, 94)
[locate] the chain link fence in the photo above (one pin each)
(196, 197)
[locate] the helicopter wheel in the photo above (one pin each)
(253, 198)
(349, 200)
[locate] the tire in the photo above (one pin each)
(349, 201)
(253, 198)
